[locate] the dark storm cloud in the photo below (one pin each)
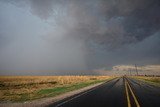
(93, 33)
(107, 22)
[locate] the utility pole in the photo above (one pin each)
(130, 71)
(136, 69)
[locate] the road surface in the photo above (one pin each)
(119, 92)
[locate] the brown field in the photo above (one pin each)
(23, 88)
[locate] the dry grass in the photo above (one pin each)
(16, 88)
(151, 80)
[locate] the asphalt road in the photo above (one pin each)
(147, 95)
(119, 92)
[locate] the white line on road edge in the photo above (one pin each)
(58, 105)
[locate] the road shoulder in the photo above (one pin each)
(47, 101)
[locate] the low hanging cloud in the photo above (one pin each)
(80, 34)
(142, 70)
(112, 23)
(107, 22)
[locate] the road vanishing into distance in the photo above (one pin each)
(119, 92)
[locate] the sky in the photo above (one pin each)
(65, 37)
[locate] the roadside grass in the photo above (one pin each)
(27, 88)
(60, 90)
(151, 80)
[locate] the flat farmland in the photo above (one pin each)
(26, 88)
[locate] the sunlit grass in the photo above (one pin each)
(24, 88)
(151, 80)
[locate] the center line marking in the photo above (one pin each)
(135, 99)
(127, 94)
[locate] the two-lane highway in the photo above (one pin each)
(147, 95)
(119, 92)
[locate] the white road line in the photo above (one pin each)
(58, 105)
(76, 96)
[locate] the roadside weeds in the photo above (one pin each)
(46, 101)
